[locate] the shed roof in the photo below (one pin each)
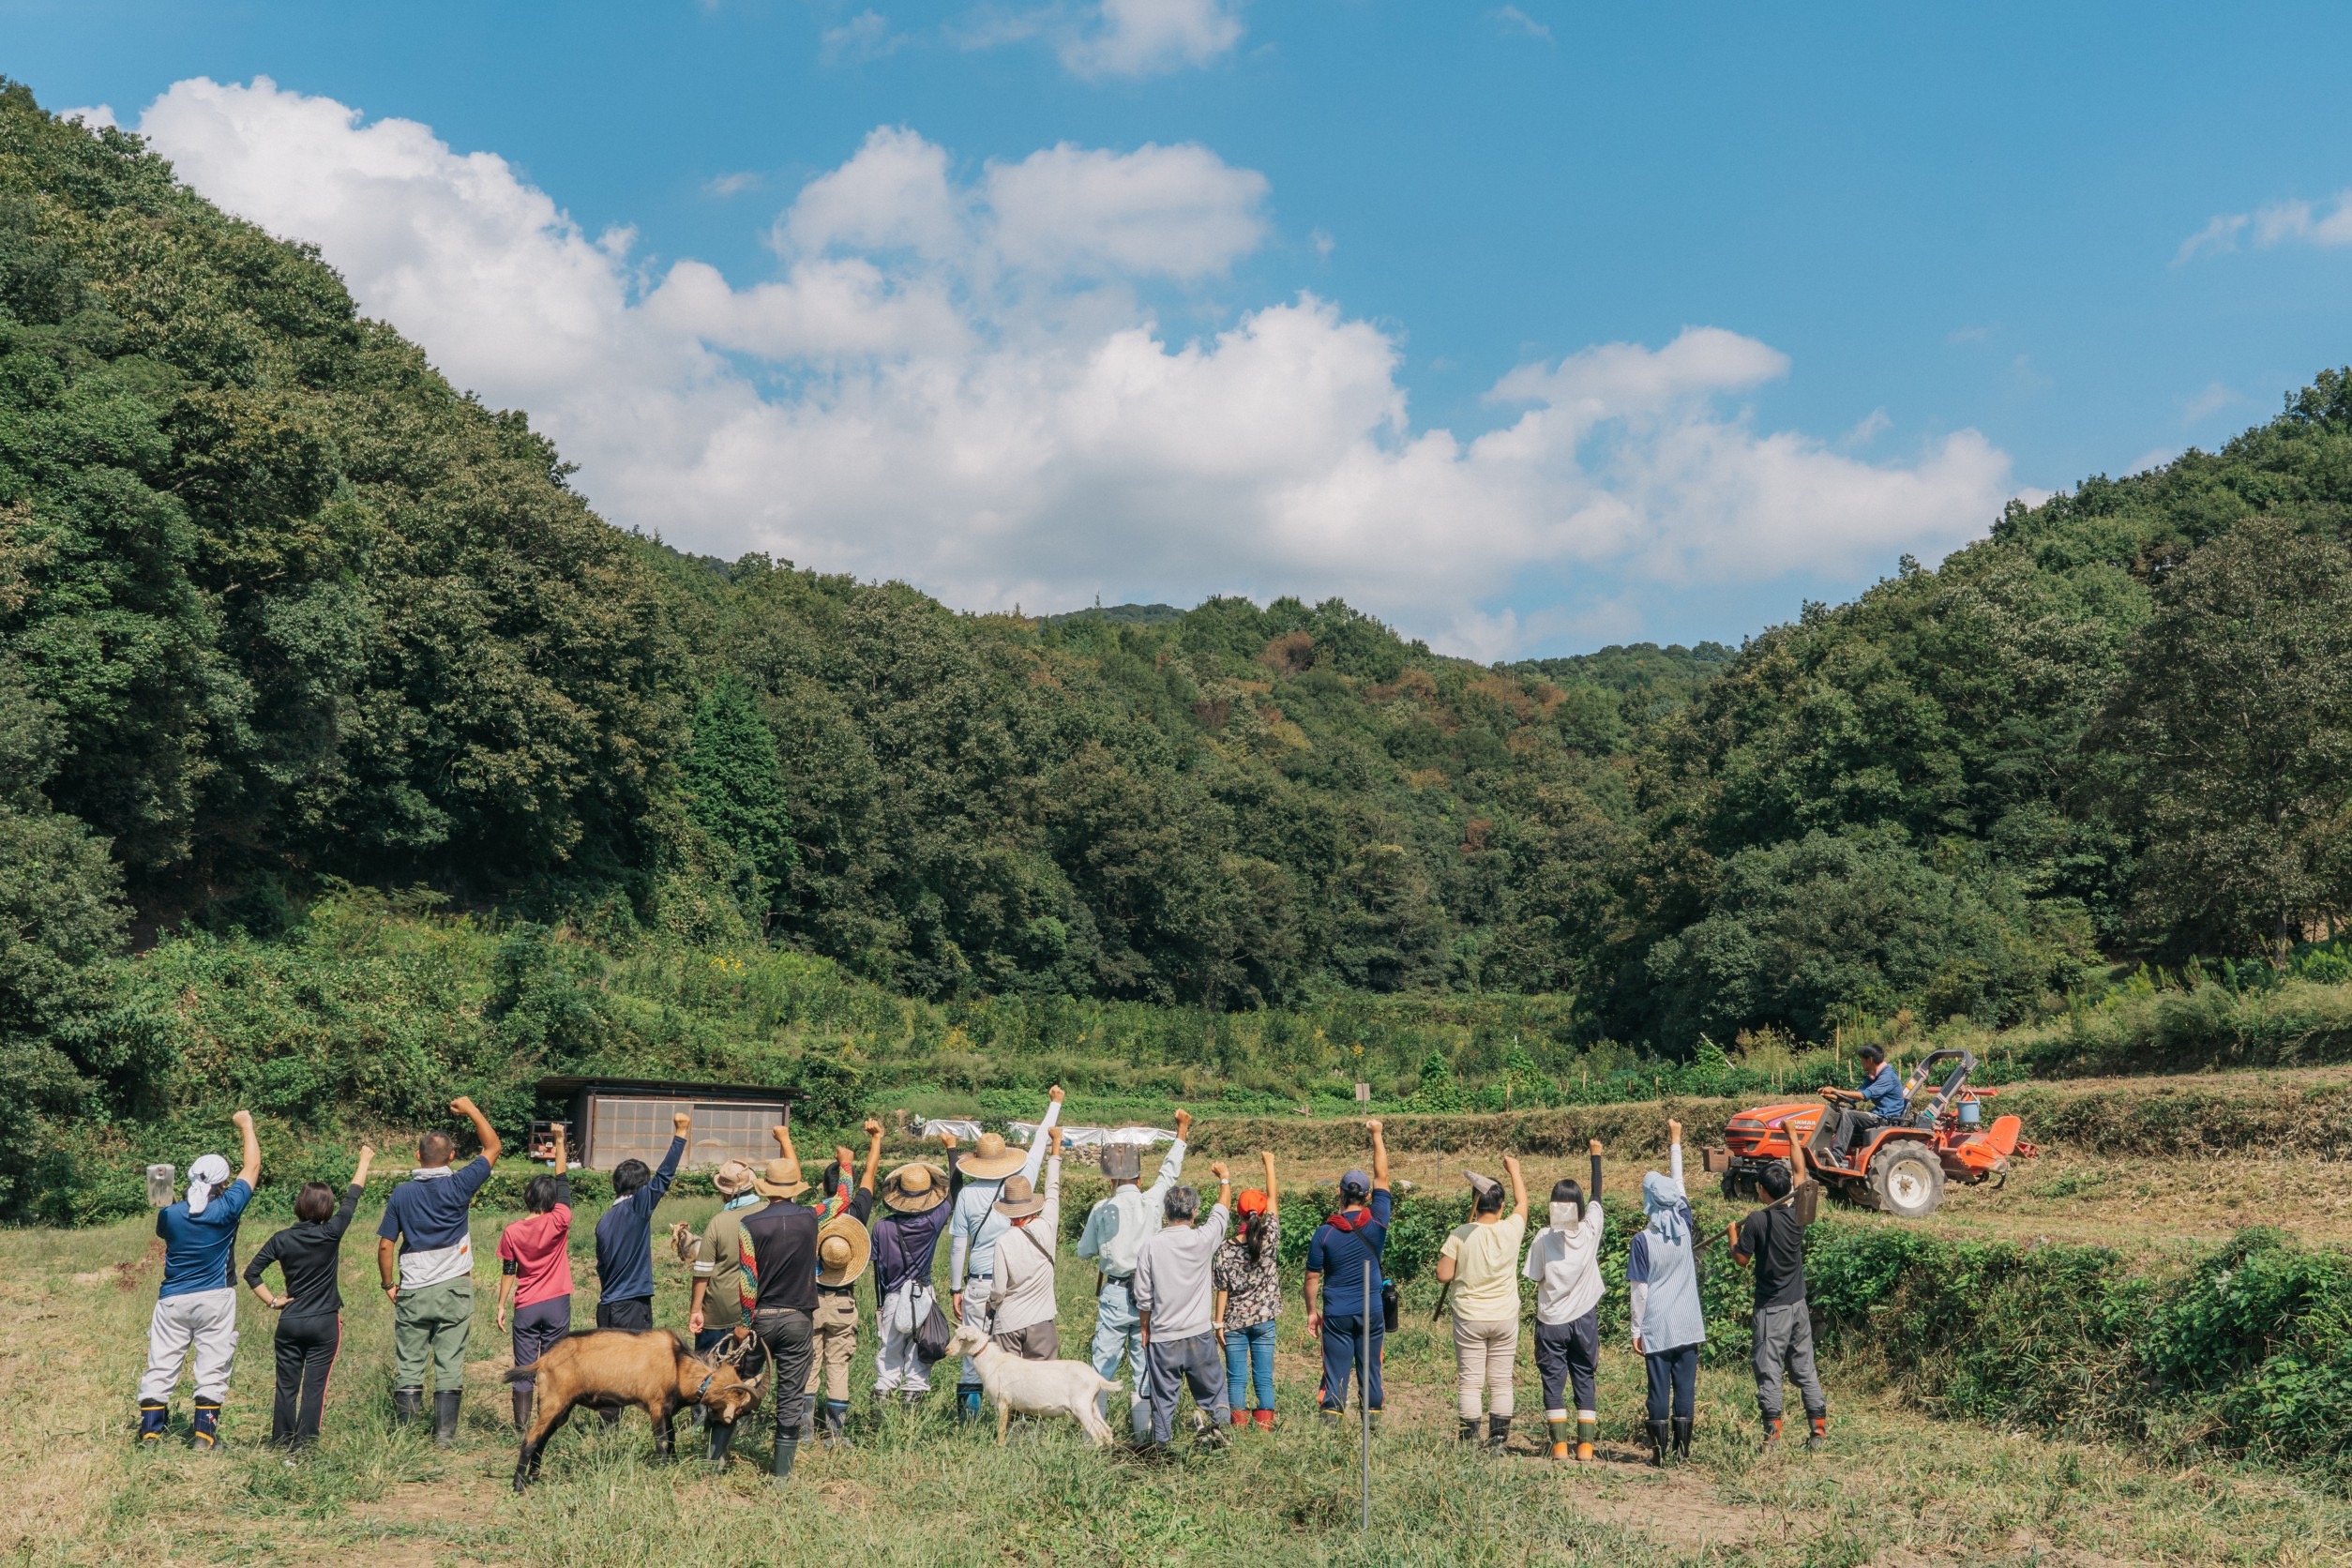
(670, 1088)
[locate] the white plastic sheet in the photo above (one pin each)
(1025, 1132)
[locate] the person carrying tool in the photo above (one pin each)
(1772, 1241)
(1882, 1103)
(1480, 1264)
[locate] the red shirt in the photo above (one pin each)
(540, 1249)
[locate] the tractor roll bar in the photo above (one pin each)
(1951, 1090)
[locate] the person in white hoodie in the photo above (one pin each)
(1564, 1261)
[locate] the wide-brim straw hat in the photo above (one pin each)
(1019, 1199)
(916, 1187)
(733, 1179)
(991, 1159)
(783, 1180)
(842, 1231)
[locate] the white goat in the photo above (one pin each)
(1036, 1387)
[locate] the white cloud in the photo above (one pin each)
(2295, 222)
(2212, 400)
(1510, 19)
(954, 382)
(1101, 39)
(97, 117)
(724, 186)
(2154, 458)
(865, 37)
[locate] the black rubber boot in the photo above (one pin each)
(523, 1408)
(445, 1417)
(787, 1450)
(1468, 1429)
(1498, 1432)
(721, 1438)
(1820, 1437)
(837, 1424)
(408, 1404)
(1683, 1435)
(1771, 1431)
(1657, 1444)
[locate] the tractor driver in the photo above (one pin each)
(1883, 1103)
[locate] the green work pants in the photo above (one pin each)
(429, 1323)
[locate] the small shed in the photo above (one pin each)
(613, 1120)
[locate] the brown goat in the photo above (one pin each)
(608, 1369)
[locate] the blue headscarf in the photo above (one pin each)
(1662, 1200)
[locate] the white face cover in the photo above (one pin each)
(208, 1175)
(1564, 1216)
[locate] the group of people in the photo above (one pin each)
(1184, 1299)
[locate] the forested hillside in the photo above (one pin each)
(283, 610)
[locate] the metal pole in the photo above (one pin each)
(1364, 1388)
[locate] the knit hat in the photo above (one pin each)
(990, 1159)
(208, 1175)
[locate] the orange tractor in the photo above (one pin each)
(1901, 1167)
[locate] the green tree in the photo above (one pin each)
(734, 791)
(2230, 744)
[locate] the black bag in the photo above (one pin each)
(931, 1335)
(1388, 1306)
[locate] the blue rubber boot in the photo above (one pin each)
(153, 1419)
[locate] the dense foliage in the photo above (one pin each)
(280, 611)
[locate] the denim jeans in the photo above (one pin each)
(1249, 1362)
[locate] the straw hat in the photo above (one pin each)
(990, 1159)
(783, 1180)
(1018, 1200)
(1123, 1161)
(843, 1249)
(916, 1188)
(733, 1179)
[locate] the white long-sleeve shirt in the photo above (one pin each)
(1564, 1260)
(973, 1233)
(1118, 1225)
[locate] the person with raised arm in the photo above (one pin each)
(906, 1241)
(308, 1254)
(425, 1257)
(1173, 1287)
(1481, 1261)
(1340, 1304)
(780, 1258)
(1662, 1284)
(534, 1273)
(1773, 1240)
(1022, 1307)
(975, 1229)
(1248, 1286)
(1116, 1228)
(196, 1306)
(844, 1245)
(1564, 1260)
(624, 1238)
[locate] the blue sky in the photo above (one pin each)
(1945, 256)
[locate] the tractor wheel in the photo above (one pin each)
(1731, 1186)
(1906, 1180)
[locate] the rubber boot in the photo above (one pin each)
(1683, 1435)
(1657, 1444)
(205, 1433)
(407, 1405)
(1498, 1432)
(720, 1438)
(445, 1417)
(523, 1408)
(787, 1450)
(836, 1422)
(1469, 1430)
(1771, 1432)
(153, 1420)
(966, 1404)
(1819, 1438)
(1587, 1433)
(1265, 1415)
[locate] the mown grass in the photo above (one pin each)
(1897, 1487)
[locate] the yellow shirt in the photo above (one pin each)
(1487, 1269)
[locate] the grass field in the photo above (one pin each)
(1897, 1487)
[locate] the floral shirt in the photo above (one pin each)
(1253, 1290)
